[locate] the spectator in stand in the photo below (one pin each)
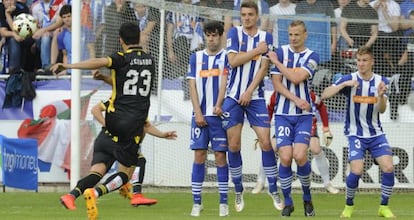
(146, 24)
(149, 24)
(406, 62)
(19, 49)
(357, 34)
(341, 44)
(387, 53)
(46, 13)
(87, 30)
(181, 29)
(284, 7)
(64, 39)
(389, 13)
(117, 13)
(320, 7)
(407, 6)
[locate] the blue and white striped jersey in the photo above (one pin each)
(362, 118)
(207, 72)
(307, 60)
(241, 77)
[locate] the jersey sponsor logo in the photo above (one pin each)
(228, 43)
(364, 99)
(208, 73)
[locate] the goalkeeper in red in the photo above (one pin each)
(366, 100)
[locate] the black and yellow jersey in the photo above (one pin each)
(132, 75)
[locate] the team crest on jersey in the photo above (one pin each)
(219, 62)
(312, 64)
(372, 89)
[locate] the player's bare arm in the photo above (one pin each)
(334, 89)
(237, 59)
(295, 76)
(382, 99)
(154, 131)
(246, 97)
(90, 64)
(97, 113)
(222, 93)
(280, 88)
(198, 114)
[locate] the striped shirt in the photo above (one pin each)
(241, 77)
(307, 60)
(363, 117)
(207, 72)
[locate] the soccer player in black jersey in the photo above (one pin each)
(131, 77)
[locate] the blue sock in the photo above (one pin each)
(304, 173)
(223, 183)
(270, 169)
(197, 179)
(351, 187)
(286, 178)
(235, 167)
(386, 187)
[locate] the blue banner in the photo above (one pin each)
(319, 35)
(19, 162)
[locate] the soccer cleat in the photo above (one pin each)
(258, 188)
(91, 207)
(308, 208)
(347, 213)
(197, 208)
(68, 201)
(331, 189)
(287, 210)
(277, 202)
(385, 211)
(223, 210)
(239, 202)
(125, 191)
(139, 199)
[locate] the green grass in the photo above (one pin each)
(177, 206)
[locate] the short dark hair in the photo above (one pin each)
(66, 9)
(249, 4)
(129, 33)
(213, 27)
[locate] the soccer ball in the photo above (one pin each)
(24, 25)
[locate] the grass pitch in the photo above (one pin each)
(177, 206)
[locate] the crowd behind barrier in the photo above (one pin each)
(346, 25)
